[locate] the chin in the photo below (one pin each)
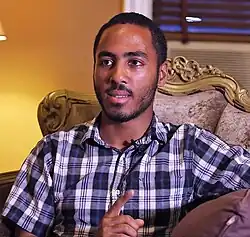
(118, 116)
(124, 112)
(122, 116)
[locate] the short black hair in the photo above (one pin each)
(158, 38)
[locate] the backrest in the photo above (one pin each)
(203, 95)
(60, 110)
(198, 95)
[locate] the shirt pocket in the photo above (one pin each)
(83, 203)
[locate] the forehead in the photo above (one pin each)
(122, 38)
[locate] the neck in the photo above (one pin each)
(119, 135)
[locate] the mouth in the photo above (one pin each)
(118, 97)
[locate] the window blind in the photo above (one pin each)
(204, 19)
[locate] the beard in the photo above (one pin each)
(116, 114)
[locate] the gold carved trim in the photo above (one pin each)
(187, 77)
(55, 108)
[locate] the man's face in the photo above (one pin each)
(125, 73)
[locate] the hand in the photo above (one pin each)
(22, 233)
(113, 224)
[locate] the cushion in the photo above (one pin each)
(203, 109)
(226, 216)
(234, 127)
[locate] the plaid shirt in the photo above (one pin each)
(70, 179)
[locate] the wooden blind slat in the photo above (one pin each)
(167, 22)
(225, 6)
(213, 1)
(205, 14)
(217, 24)
(184, 24)
(167, 12)
(224, 16)
(161, 4)
(209, 37)
(209, 4)
(221, 15)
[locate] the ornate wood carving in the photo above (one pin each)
(55, 108)
(187, 76)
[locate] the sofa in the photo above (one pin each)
(193, 93)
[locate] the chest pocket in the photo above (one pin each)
(85, 202)
(164, 188)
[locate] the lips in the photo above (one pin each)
(118, 96)
(119, 93)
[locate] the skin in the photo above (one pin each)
(126, 63)
(114, 224)
(22, 233)
(126, 57)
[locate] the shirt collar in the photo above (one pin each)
(156, 131)
(93, 131)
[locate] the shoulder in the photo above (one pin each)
(186, 131)
(54, 146)
(57, 143)
(72, 136)
(172, 132)
(187, 128)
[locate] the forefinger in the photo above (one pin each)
(120, 202)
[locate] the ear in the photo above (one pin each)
(163, 73)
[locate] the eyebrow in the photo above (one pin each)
(106, 54)
(136, 54)
(126, 55)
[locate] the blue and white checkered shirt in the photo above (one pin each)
(70, 179)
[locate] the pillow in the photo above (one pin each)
(234, 127)
(203, 109)
(226, 216)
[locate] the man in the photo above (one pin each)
(126, 173)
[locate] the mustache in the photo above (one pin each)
(120, 87)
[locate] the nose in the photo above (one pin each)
(119, 74)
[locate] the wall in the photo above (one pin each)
(49, 47)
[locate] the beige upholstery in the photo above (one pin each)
(234, 127)
(203, 109)
(204, 96)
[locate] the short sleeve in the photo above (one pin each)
(30, 204)
(218, 167)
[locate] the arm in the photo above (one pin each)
(30, 204)
(23, 233)
(115, 224)
(218, 168)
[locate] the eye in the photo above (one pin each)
(106, 62)
(135, 63)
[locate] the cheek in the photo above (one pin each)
(146, 74)
(144, 81)
(100, 76)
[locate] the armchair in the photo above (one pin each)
(203, 95)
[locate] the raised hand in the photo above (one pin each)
(113, 224)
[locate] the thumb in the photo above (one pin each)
(120, 202)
